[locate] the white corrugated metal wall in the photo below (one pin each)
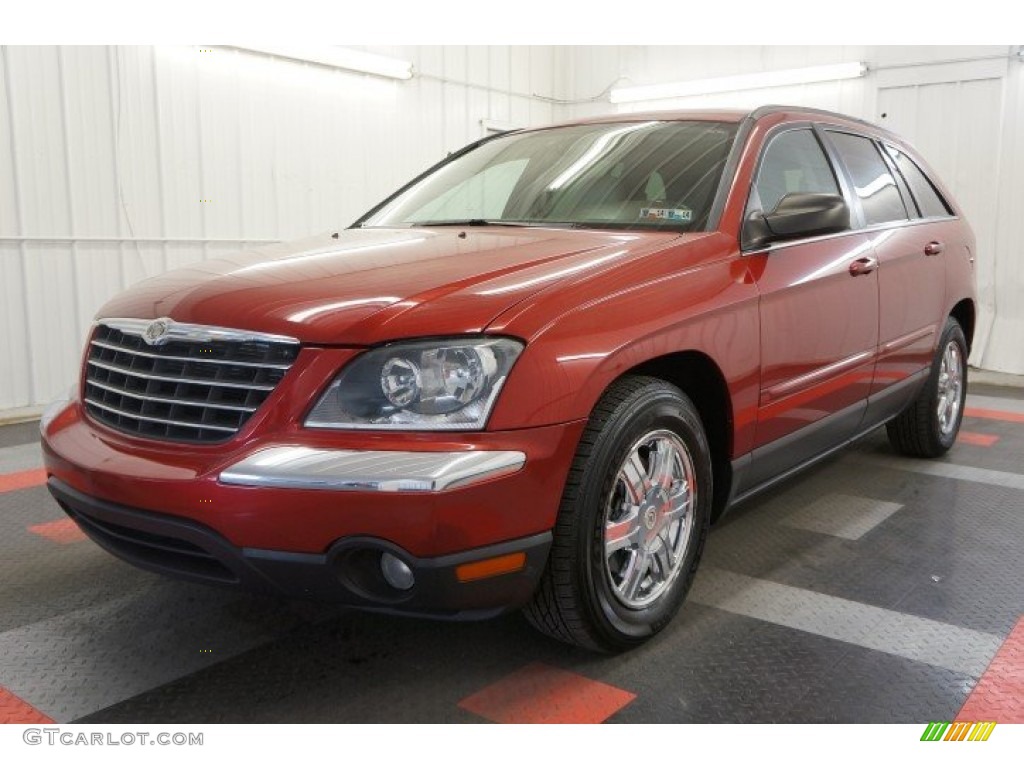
(119, 162)
(962, 106)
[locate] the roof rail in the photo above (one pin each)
(770, 109)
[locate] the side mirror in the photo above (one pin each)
(797, 215)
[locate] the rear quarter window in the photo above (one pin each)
(928, 200)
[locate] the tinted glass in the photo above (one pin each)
(921, 188)
(656, 174)
(793, 162)
(872, 181)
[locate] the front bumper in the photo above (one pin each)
(348, 571)
(262, 512)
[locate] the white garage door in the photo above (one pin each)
(956, 127)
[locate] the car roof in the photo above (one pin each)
(793, 113)
(712, 115)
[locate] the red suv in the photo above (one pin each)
(532, 377)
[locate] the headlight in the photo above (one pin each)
(440, 384)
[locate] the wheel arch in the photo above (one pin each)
(964, 313)
(701, 379)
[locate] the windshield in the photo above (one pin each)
(660, 175)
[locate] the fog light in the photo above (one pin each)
(396, 573)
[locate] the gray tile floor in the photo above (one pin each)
(869, 589)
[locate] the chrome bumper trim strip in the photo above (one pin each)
(386, 471)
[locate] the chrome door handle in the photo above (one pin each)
(934, 248)
(864, 266)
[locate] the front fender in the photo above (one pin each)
(571, 361)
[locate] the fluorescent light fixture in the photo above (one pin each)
(747, 82)
(337, 57)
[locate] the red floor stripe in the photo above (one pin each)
(15, 711)
(977, 438)
(987, 413)
(538, 693)
(999, 694)
(18, 480)
(59, 531)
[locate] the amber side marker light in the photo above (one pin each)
(495, 566)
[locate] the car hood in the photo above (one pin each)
(365, 286)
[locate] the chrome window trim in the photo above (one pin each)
(191, 332)
(302, 467)
(848, 232)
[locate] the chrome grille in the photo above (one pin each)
(194, 384)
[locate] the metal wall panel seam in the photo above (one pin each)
(239, 156)
(63, 95)
(1006, 100)
(19, 215)
(114, 86)
(198, 96)
(158, 146)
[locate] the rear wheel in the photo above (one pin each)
(929, 425)
(632, 522)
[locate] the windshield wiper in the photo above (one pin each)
(470, 223)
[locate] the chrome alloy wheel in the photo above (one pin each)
(950, 386)
(648, 518)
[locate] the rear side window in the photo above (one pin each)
(928, 200)
(793, 162)
(872, 182)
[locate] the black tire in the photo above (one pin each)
(918, 430)
(576, 600)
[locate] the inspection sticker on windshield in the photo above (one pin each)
(666, 214)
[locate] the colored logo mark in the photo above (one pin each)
(979, 731)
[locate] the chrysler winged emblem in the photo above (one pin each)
(157, 330)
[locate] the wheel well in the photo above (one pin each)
(699, 377)
(963, 313)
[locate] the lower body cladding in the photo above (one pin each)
(458, 529)
(360, 571)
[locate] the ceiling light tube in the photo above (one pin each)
(746, 82)
(337, 57)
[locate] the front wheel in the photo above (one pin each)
(632, 522)
(929, 425)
